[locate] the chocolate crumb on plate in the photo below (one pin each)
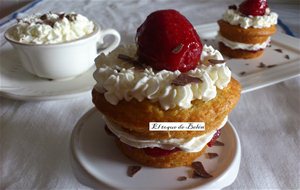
(184, 79)
(287, 56)
(270, 66)
(261, 65)
(199, 170)
(247, 64)
(242, 73)
(132, 170)
(278, 50)
(181, 178)
(211, 155)
(218, 143)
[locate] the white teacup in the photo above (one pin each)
(63, 60)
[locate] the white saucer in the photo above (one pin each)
(17, 83)
(98, 163)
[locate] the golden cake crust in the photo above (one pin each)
(239, 53)
(135, 116)
(175, 159)
(249, 36)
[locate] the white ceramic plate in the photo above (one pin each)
(98, 163)
(247, 71)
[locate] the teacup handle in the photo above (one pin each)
(115, 43)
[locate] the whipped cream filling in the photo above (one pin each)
(119, 80)
(52, 28)
(238, 45)
(194, 144)
(234, 17)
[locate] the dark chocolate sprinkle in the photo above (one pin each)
(133, 170)
(43, 17)
(278, 50)
(61, 16)
(181, 178)
(130, 60)
(233, 7)
(49, 22)
(184, 79)
(242, 73)
(287, 56)
(71, 17)
(261, 65)
(215, 61)
(218, 143)
(199, 170)
(177, 49)
(270, 66)
(211, 155)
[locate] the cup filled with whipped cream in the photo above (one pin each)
(59, 45)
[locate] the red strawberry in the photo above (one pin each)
(253, 7)
(167, 40)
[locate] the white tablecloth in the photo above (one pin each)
(35, 136)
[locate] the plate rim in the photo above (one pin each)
(97, 182)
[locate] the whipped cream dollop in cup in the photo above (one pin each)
(234, 17)
(59, 46)
(119, 80)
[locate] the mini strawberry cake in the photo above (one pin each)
(245, 30)
(167, 76)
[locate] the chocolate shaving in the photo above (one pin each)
(233, 7)
(130, 60)
(108, 132)
(218, 143)
(133, 170)
(181, 178)
(49, 22)
(242, 73)
(43, 17)
(287, 56)
(212, 155)
(71, 17)
(184, 79)
(270, 66)
(215, 61)
(261, 65)
(278, 50)
(199, 170)
(177, 49)
(61, 16)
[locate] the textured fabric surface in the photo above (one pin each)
(35, 135)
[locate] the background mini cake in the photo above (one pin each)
(245, 30)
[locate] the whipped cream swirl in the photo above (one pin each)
(52, 28)
(119, 80)
(239, 45)
(234, 17)
(194, 144)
